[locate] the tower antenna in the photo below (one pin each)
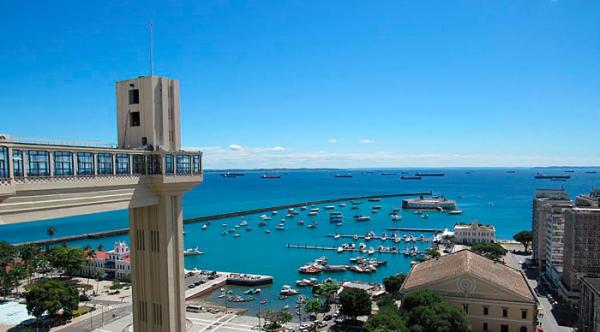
(150, 46)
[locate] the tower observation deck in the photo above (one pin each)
(147, 173)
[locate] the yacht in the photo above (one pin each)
(274, 212)
(287, 290)
(342, 204)
(224, 225)
(395, 217)
(329, 207)
(362, 218)
(337, 236)
(280, 227)
(236, 235)
(312, 213)
(455, 212)
(424, 216)
(192, 252)
(204, 227)
(267, 232)
(262, 223)
(243, 223)
(312, 225)
(300, 222)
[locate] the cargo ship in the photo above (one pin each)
(343, 175)
(408, 177)
(270, 176)
(429, 174)
(542, 176)
(231, 174)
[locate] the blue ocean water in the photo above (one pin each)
(491, 196)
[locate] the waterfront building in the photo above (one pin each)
(474, 233)
(147, 173)
(114, 264)
(494, 296)
(554, 245)
(589, 305)
(581, 255)
(539, 220)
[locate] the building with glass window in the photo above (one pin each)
(147, 173)
(494, 296)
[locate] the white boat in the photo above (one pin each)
(274, 212)
(395, 217)
(280, 227)
(287, 290)
(312, 213)
(363, 218)
(342, 204)
(339, 223)
(224, 225)
(192, 252)
(371, 251)
(396, 240)
(355, 237)
(236, 235)
(312, 225)
(337, 236)
(265, 217)
(329, 207)
(340, 249)
(267, 232)
(424, 216)
(243, 223)
(303, 208)
(204, 227)
(455, 212)
(300, 222)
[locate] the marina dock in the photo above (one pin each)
(324, 247)
(422, 230)
(223, 279)
(378, 238)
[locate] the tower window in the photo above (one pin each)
(134, 96)
(134, 119)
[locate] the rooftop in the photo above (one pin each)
(465, 261)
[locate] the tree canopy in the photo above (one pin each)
(426, 311)
(313, 306)
(51, 296)
(525, 238)
(355, 302)
(69, 260)
(393, 283)
(387, 319)
(276, 318)
(492, 251)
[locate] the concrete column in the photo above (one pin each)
(157, 275)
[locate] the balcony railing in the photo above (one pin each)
(27, 163)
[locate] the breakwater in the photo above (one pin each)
(123, 231)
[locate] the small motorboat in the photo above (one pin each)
(204, 227)
(395, 217)
(192, 252)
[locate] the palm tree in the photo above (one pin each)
(100, 247)
(89, 254)
(50, 231)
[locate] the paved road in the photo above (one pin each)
(100, 318)
(547, 319)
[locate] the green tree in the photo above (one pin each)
(51, 296)
(68, 260)
(7, 261)
(492, 251)
(387, 319)
(386, 300)
(426, 311)
(29, 255)
(327, 291)
(275, 319)
(313, 306)
(100, 247)
(393, 283)
(355, 302)
(524, 238)
(433, 253)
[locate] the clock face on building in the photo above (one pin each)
(466, 285)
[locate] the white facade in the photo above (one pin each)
(114, 264)
(474, 233)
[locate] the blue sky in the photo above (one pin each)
(320, 83)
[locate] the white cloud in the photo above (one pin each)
(279, 157)
(332, 140)
(366, 141)
(235, 147)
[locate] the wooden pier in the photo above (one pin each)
(348, 236)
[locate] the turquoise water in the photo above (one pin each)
(490, 195)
